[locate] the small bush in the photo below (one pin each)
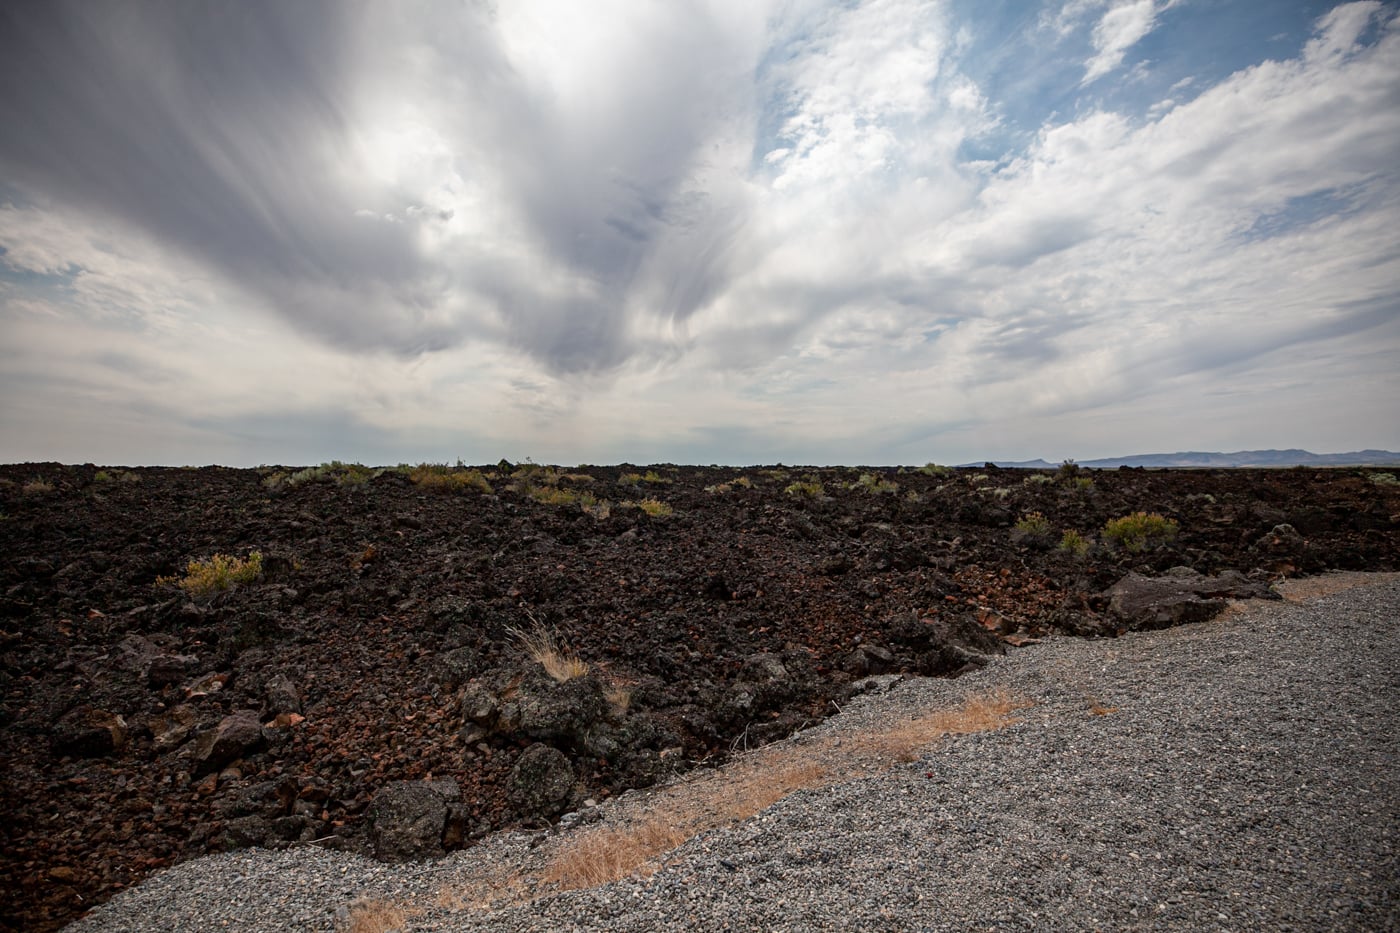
(719, 489)
(441, 477)
(934, 469)
(104, 477)
(807, 489)
(1034, 524)
(1072, 542)
(218, 573)
(655, 508)
(742, 481)
(1039, 479)
(1383, 479)
(1139, 531)
(876, 485)
(37, 487)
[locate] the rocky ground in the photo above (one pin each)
(370, 685)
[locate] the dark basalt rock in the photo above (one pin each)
(1179, 596)
(408, 819)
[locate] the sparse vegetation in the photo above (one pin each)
(1139, 531)
(448, 479)
(1072, 542)
(806, 489)
(876, 485)
(543, 646)
(1038, 479)
(1034, 524)
(215, 575)
(342, 474)
(618, 696)
(1383, 479)
(636, 479)
(379, 916)
(934, 469)
(653, 507)
(37, 487)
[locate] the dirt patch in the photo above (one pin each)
(193, 660)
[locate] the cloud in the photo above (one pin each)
(536, 228)
(1119, 30)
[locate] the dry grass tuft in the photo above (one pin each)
(907, 740)
(603, 855)
(542, 645)
(376, 916)
(749, 785)
(619, 697)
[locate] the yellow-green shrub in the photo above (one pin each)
(218, 573)
(1139, 531)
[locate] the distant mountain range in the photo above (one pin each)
(1199, 459)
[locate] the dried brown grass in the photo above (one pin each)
(598, 856)
(378, 916)
(906, 740)
(542, 645)
(603, 855)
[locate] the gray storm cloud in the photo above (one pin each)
(228, 132)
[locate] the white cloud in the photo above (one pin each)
(1119, 30)
(616, 234)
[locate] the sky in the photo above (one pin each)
(881, 232)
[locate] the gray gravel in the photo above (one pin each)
(1246, 780)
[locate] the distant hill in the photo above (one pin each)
(1241, 458)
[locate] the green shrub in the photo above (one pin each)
(218, 573)
(876, 485)
(807, 489)
(37, 487)
(934, 469)
(1139, 531)
(1383, 479)
(441, 477)
(1035, 524)
(1039, 479)
(102, 476)
(1072, 542)
(654, 507)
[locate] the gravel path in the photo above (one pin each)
(1234, 775)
